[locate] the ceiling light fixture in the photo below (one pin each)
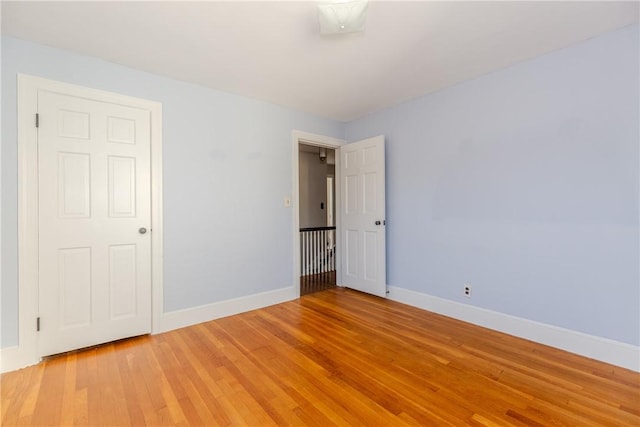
(341, 17)
(323, 154)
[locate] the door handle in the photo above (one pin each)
(378, 223)
(142, 230)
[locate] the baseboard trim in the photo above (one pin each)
(192, 316)
(12, 358)
(603, 349)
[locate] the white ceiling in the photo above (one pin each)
(273, 51)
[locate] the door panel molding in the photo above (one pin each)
(106, 189)
(362, 215)
(26, 352)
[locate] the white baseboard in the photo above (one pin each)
(191, 316)
(606, 350)
(11, 359)
(603, 349)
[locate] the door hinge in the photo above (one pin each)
(38, 324)
(37, 120)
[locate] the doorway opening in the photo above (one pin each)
(316, 169)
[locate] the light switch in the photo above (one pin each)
(287, 202)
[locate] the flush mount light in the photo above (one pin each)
(341, 17)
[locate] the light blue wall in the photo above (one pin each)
(227, 168)
(523, 183)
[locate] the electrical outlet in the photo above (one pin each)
(467, 291)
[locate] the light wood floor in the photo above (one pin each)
(335, 357)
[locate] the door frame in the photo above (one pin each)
(28, 285)
(299, 137)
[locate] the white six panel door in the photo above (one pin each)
(362, 208)
(94, 196)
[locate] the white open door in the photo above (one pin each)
(362, 213)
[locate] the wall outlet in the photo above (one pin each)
(467, 291)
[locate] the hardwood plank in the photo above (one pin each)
(335, 357)
(21, 400)
(317, 282)
(69, 391)
(47, 410)
(131, 398)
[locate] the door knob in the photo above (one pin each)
(378, 223)
(142, 230)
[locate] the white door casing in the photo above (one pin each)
(29, 88)
(299, 137)
(362, 212)
(94, 197)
